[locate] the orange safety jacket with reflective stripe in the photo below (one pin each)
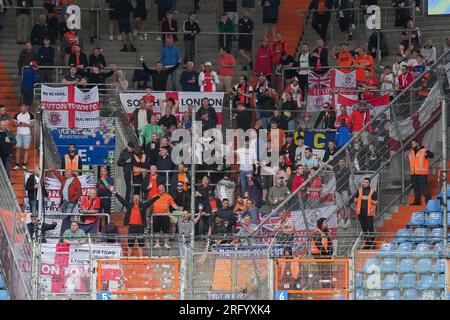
(138, 170)
(71, 164)
(370, 205)
(314, 249)
(418, 162)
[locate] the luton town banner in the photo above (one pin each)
(130, 101)
(69, 107)
(319, 86)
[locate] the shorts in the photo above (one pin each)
(140, 12)
(270, 20)
(161, 224)
(136, 230)
(124, 25)
(23, 141)
(245, 43)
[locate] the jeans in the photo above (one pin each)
(34, 205)
(7, 164)
(173, 78)
(68, 207)
(189, 51)
(368, 32)
(291, 124)
(243, 179)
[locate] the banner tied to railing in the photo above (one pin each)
(66, 268)
(130, 101)
(70, 107)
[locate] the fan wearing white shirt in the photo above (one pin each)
(246, 160)
(24, 121)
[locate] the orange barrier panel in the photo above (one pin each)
(313, 279)
(139, 279)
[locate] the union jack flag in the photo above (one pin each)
(319, 81)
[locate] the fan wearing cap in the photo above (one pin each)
(326, 118)
(208, 79)
(78, 58)
(30, 76)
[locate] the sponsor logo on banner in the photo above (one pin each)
(319, 86)
(95, 146)
(130, 101)
(70, 107)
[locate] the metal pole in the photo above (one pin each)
(191, 251)
(444, 179)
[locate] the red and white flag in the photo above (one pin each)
(69, 107)
(345, 84)
(375, 105)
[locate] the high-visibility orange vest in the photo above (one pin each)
(138, 170)
(370, 205)
(295, 269)
(418, 162)
(71, 164)
(314, 249)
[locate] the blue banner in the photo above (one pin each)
(94, 146)
(317, 139)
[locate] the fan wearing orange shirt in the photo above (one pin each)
(344, 58)
(160, 214)
(362, 62)
(91, 205)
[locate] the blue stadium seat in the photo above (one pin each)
(389, 265)
(428, 295)
(4, 295)
(410, 294)
(403, 235)
(406, 265)
(439, 266)
(420, 234)
(425, 282)
(359, 294)
(2, 282)
(358, 280)
(392, 295)
(440, 281)
(433, 219)
(438, 249)
(404, 249)
(417, 219)
(421, 250)
(424, 265)
(368, 265)
(442, 192)
(374, 295)
(387, 249)
(408, 281)
(390, 282)
(436, 235)
(433, 206)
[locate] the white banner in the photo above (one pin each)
(66, 268)
(70, 107)
(130, 101)
(343, 82)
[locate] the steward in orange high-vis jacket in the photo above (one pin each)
(419, 169)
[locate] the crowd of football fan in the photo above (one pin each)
(225, 196)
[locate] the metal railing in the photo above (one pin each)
(16, 248)
(358, 154)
